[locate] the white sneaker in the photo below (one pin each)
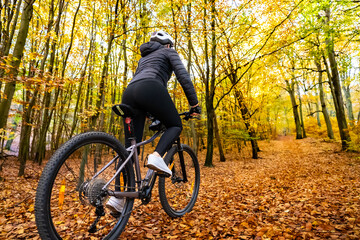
(115, 205)
(157, 164)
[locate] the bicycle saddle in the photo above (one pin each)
(124, 110)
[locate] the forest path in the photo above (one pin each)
(297, 189)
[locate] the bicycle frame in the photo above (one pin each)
(134, 156)
(144, 186)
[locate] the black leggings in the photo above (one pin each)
(151, 96)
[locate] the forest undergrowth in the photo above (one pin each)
(297, 189)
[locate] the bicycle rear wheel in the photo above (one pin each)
(178, 193)
(68, 198)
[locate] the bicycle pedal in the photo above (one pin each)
(163, 174)
(115, 214)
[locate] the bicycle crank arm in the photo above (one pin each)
(124, 194)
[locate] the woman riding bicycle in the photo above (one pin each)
(147, 93)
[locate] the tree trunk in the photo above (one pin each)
(101, 94)
(101, 99)
(28, 114)
(350, 113)
(48, 107)
(13, 128)
(189, 64)
(71, 42)
(63, 115)
(7, 35)
(124, 28)
(330, 132)
(210, 132)
(232, 73)
(25, 133)
(82, 78)
(218, 140)
(36, 130)
(317, 113)
(17, 54)
(246, 116)
(210, 85)
(7, 30)
(113, 87)
(290, 87)
(39, 123)
(301, 113)
(337, 94)
(213, 78)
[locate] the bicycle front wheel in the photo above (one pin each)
(178, 193)
(70, 201)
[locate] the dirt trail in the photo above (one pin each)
(297, 189)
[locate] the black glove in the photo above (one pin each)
(196, 109)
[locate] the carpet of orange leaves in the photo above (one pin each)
(297, 189)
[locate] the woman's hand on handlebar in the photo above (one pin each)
(195, 110)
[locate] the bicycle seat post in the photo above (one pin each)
(130, 127)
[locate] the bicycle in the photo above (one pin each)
(93, 166)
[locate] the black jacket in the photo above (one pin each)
(158, 63)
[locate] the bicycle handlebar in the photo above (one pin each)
(156, 125)
(188, 116)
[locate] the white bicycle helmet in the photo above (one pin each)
(162, 37)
